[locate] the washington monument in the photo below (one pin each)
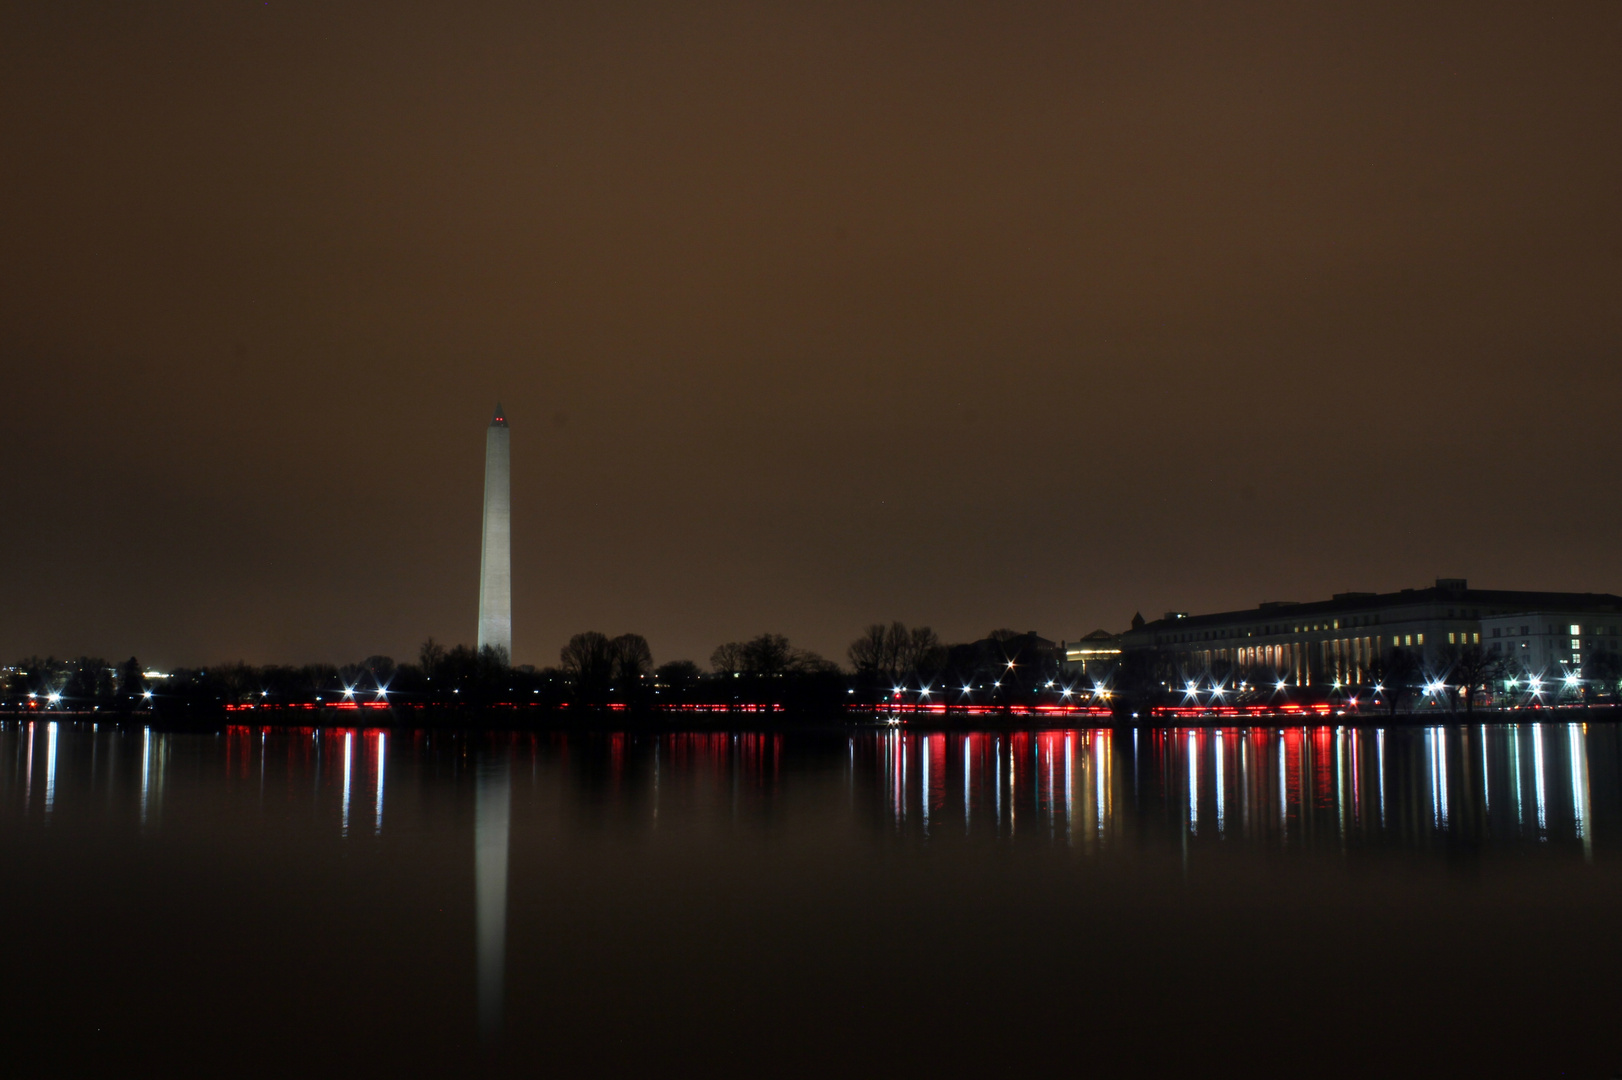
(496, 565)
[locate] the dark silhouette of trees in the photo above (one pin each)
(1602, 670)
(1471, 667)
(131, 685)
(769, 655)
(631, 660)
(678, 681)
(888, 656)
(588, 663)
(768, 668)
(1394, 671)
(429, 657)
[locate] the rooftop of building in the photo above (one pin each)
(1446, 591)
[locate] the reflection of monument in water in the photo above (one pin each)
(495, 564)
(492, 803)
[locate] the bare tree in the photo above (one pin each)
(728, 659)
(631, 659)
(894, 653)
(1471, 668)
(1394, 671)
(767, 654)
(430, 657)
(588, 660)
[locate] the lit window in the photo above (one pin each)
(1419, 639)
(1450, 636)
(1408, 639)
(1576, 645)
(1575, 629)
(1477, 639)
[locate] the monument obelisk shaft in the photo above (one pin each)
(495, 568)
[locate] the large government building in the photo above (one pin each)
(1337, 639)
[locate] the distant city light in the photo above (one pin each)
(1280, 685)
(53, 697)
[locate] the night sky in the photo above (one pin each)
(804, 315)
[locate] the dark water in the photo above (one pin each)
(1322, 901)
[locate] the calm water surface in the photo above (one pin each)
(1317, 901)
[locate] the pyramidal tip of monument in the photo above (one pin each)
(500, 418)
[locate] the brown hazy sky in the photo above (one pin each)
(804, 315)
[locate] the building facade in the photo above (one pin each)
(1346, 638)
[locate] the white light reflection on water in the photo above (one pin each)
(1537, 772)
(1438, 749)
(1244, 785)
(348, 755)
(1579, 787)
(28, 772)
(146, 768)
(377, 827)
(1216, 743)
(1379, 757)
(1101, 762)
(1069, 788)
(1193, 781)
(1486, 774)
(1515, 776)
(1053, 804)
(492, 816)
(1340, 784)
(925, 770)
(1283, 791)
(901, 781)
(50, 768)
